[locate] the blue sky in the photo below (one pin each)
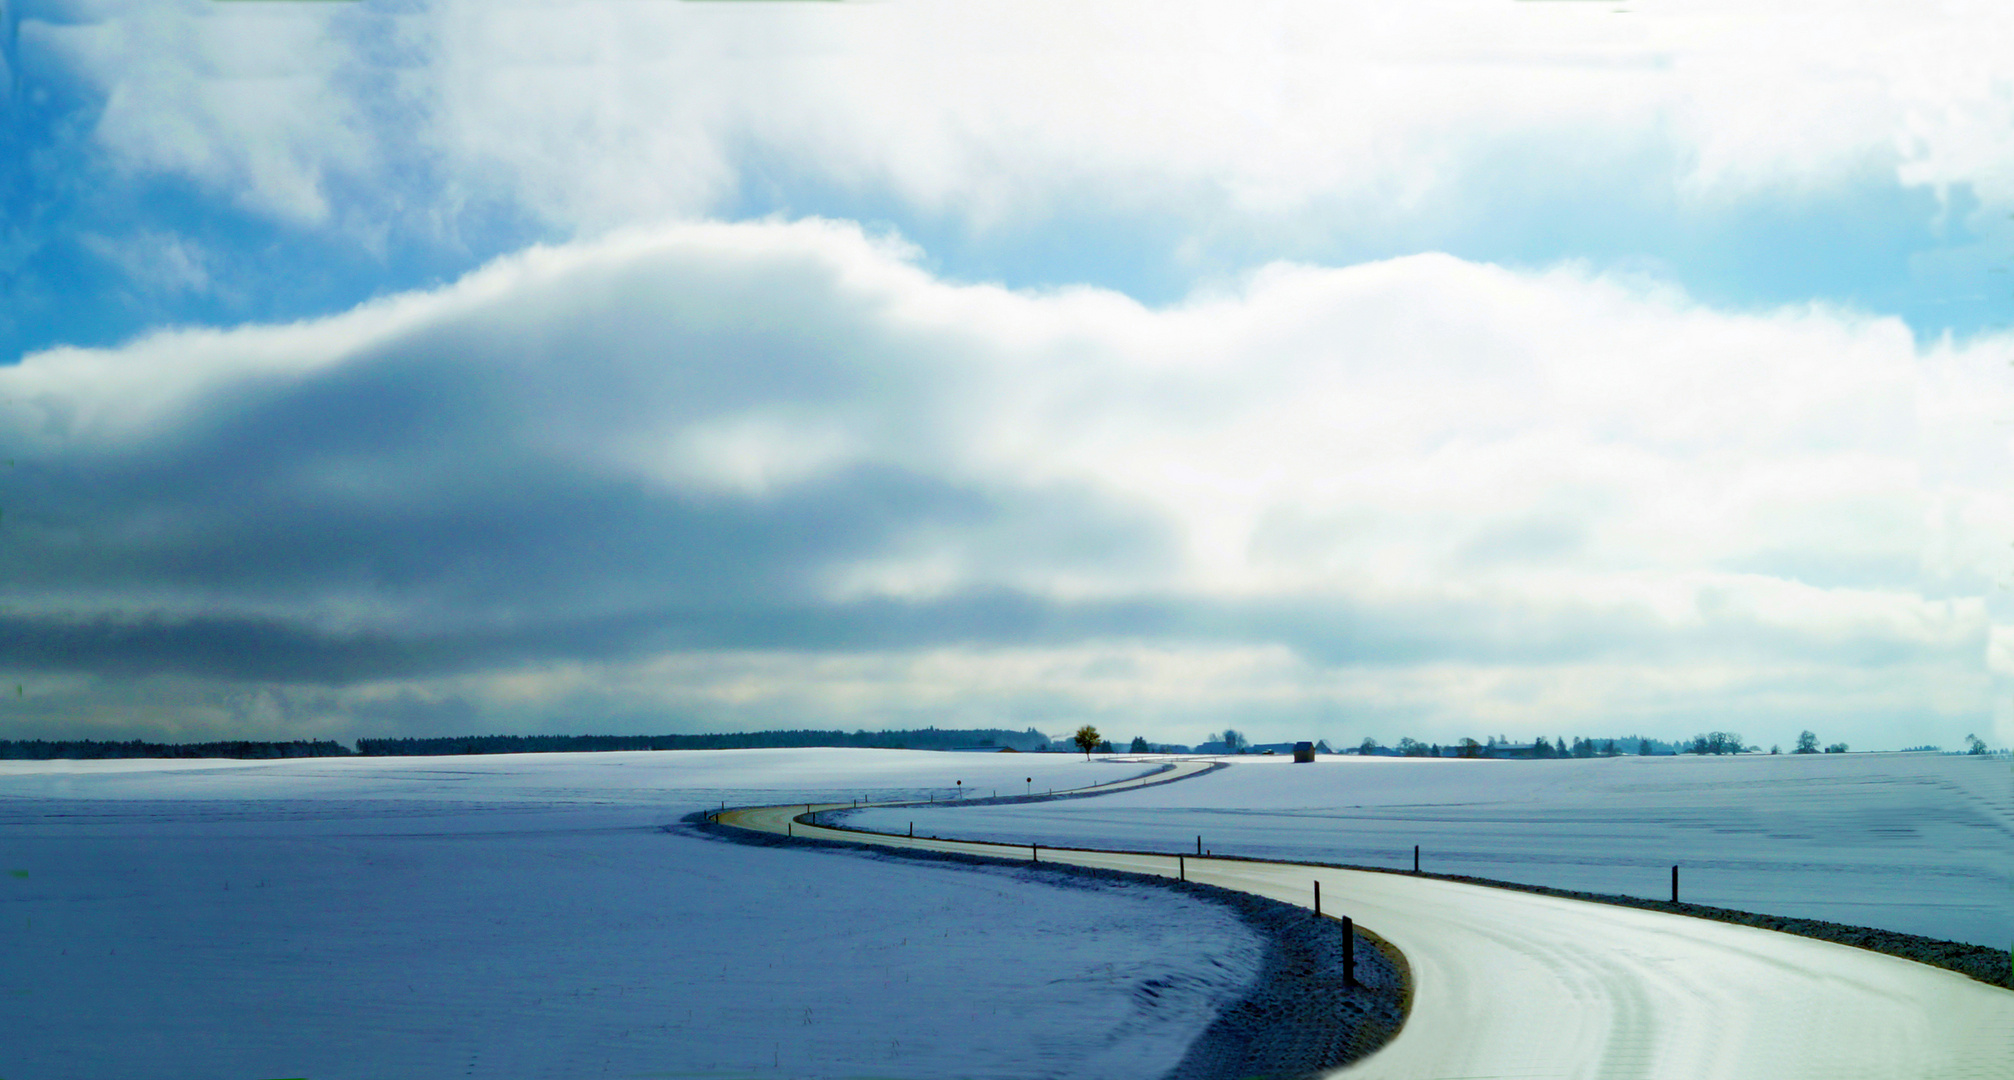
(1503, 369)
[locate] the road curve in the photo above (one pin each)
(1513, 984)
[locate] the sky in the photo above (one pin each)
(392, 367)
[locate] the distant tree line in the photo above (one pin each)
(91, 750)
(1719, 742)
(926, 739)
(1498, 746)
(1706, 742)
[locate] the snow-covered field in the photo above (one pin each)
(524, 916)
(1919, 843)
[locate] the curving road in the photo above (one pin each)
(1511, 984)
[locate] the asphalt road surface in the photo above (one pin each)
(1511, 984)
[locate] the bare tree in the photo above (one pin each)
(1717, 742)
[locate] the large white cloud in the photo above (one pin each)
(763, 473)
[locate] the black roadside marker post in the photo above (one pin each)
(912, 830)
(1181, 868)
(1674, 884)
(1318, 899)
(1349, 952)
(1416, 858)
(1034, 853)
(1199, 845)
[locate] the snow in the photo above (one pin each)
(525, 916)
(1919, 843)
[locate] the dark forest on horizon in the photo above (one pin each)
(924, 739)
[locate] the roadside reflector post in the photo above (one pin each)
(912, 830)
(1416, 858)
(1318, 899)
(1349, 952)
(1034, 853)
(1199, 845)
(1181, 868)
(1674, 884)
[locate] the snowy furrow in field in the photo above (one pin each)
(1911, 842)
(524, 917)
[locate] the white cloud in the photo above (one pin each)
(1449, 488)
(263, 104)
(595, 115)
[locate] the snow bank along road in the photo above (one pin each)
(1511, 984)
